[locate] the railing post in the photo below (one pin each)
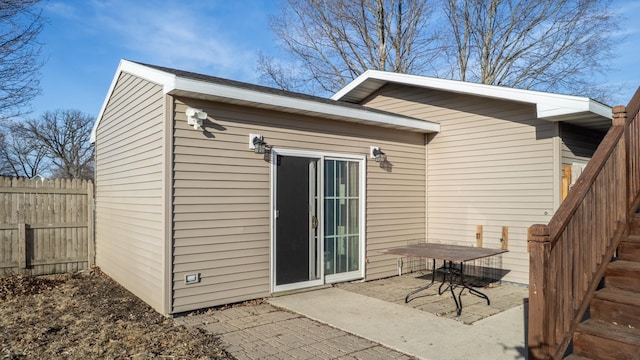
(539, 334)
(623, 172)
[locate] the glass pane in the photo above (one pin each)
(329, 256)
(341, 254)
(354, 169)
(354, 251)
(329, 217)
(329, 183)
(353, 217)
(341, 217)
(341, 179)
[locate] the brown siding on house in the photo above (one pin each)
(491, 165)
(129, 188)
(222, 196)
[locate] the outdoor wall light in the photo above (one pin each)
(257, 143)
(195, 117)
(377, 154)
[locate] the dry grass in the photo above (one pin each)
(87, 316)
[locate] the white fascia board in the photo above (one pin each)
(171, 82)
(156, 76)
(252, 96)
(356, 82)
(601, 109)
(571, 105)
(547, 104)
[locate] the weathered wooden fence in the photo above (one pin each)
(46, 226)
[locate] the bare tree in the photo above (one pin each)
(21, 22)
(550, 45)
(5, 166)
(332, 42)
(21, 157)
(64, 135)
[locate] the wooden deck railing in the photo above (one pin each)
(568, 257)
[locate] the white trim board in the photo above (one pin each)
(549, 105)
(176, 85)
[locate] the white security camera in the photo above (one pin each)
(195, 117)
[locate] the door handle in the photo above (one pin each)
(314, 222)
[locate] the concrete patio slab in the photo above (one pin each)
(412, 331)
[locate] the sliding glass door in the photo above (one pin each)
(318, 215)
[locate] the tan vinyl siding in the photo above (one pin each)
(222, 196)
(578, 144)
(129, 188)
(491, 165)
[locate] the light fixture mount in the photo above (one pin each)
(377, 154)
(195, 117)
(257, 143)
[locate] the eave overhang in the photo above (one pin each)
(274, 100)
(581, 111)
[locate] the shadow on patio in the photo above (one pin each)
(503, 296)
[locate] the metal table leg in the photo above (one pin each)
(471, 290)
(449, 269)
(433, 279)
(452, 286)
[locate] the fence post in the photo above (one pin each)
(90, 225)
(22, 245)
(538, 337)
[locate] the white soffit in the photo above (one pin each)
(177, 85)
(552, 107)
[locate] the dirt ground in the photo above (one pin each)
(87, 316)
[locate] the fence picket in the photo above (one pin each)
(57, 226)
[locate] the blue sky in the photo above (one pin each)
(85, 39)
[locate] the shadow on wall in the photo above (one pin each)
(386, 165)
(581, 142)
(208, 124)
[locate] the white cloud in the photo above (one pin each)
(60, 9)
(188, 35)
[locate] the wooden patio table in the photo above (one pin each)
(449, 254)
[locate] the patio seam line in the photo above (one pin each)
(370, 347)
(298, 316)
